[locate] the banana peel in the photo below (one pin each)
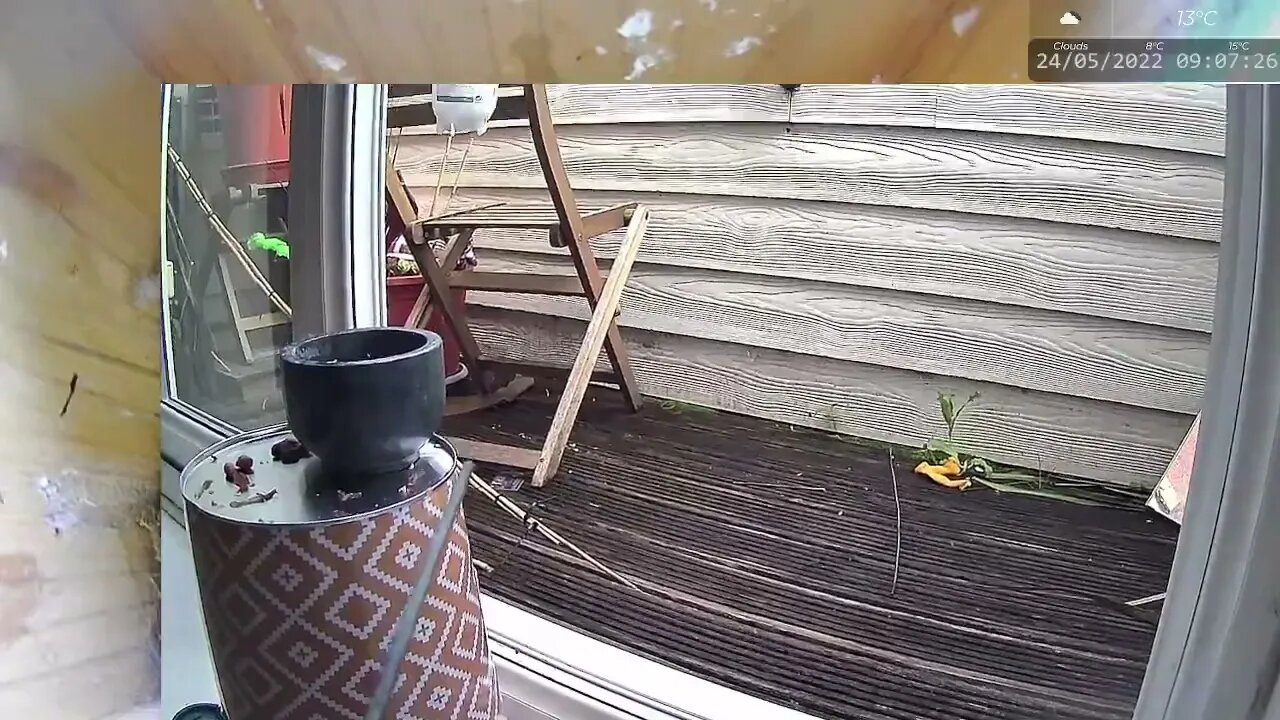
(948, 474)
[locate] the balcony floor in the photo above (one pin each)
(765, 557)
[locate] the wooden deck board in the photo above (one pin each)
(765, 558)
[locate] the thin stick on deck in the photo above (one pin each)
(897, 543)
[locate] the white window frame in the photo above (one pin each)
(368, 216)
(337, 154)
(167, 384)
(1215, 651)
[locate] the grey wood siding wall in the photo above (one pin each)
(835, 259)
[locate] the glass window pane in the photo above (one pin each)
(228, 242)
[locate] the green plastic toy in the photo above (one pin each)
(270, 243)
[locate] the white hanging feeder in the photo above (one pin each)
(462, 109)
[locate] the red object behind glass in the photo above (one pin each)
(255, 127)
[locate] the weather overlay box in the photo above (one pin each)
(1156, 60)
(1101, 41)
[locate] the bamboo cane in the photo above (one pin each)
(541, 528)
(444, 160)
(458, 175)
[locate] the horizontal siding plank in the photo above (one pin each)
(1098, 272)
(1174, 117)
(1107, 360)
(1192, 118)
(842, 104)
(587, 104)
(990, 174)
(1106, 442)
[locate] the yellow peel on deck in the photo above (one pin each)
(950, 468)
(940, 474)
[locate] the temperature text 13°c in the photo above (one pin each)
(1195, 18)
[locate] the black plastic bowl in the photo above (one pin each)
(366, 400)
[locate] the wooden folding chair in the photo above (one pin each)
(566, 225)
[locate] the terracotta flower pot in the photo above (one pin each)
(402, 293)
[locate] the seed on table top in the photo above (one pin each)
(289, 451)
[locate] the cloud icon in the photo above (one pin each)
(1069, 18)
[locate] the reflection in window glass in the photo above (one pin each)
(228, 242)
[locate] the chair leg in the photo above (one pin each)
(603, 320)
(401, 200)
(571, 230)
(422, 308)
(584, 261)
(438, 284)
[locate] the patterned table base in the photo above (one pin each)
(299, 618)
